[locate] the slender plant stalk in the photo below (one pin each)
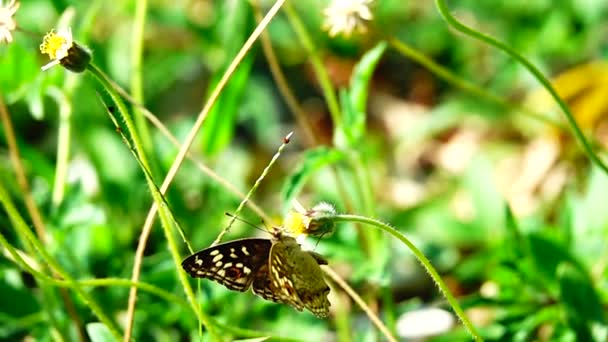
(13, 151)
(63, 138)
(18, 258)
(173, 140)
(166, 217)
(122, 109)
(282, 85)
(576, 131)
(31, 206)
(330, 97)
(369, 312)
(22, 228)
(423, 260)
(471, 88)
(147, 228)
(252, 190)
(322, 75)
(25, 323)
(137, 88)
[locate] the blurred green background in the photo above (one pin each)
(487, 181)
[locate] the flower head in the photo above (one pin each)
(317, 221)
(62, 49)
(346, 16)
(7, 23)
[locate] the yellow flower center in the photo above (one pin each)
(295, 223)
(54, 45)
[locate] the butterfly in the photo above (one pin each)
(277, 269)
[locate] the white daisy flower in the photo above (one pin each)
(62, 49)
(7, 23)
(347, 16)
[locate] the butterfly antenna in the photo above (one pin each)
(246, 221)
(286, 141)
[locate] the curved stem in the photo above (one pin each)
(18, 259)
(578, 134)
(473, 89)
(423, 260)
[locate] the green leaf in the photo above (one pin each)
(547, 253)
(578, 295)
(98, 332)
(354, 100)
(221, 120)
(514, 237)
(314, 160)
(359, 81)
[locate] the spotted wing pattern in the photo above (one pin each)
(278, 270)
(295, 277)
(234, 264)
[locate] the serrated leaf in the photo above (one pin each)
(313, 161)
(98, 332)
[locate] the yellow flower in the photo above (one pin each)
(346, 16)
(317, 221)
(62, 49)
(7, 23)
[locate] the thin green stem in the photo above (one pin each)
(18, 259)
(359, 301)
(181, 155)
(35, 216)
(166, 218)
(252, 190)
(63, 138)
(22, 228)
(122, 109)
(455, 80)
(578, 134)
(25, 323)
(137, 89)
(98, 282)
(423, 260)
(323, 77)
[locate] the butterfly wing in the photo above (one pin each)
(280, 274)
(296, 277)
(233, 264)
(262, 286)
